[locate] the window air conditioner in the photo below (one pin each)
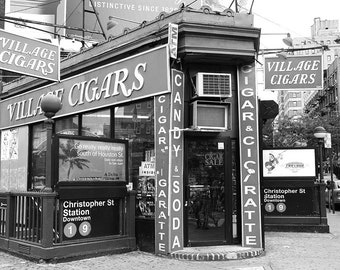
(212, 85)
(210, 115)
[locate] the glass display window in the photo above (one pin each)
(132, 123)
(96, 124)
(67, 126)
(135, 123)
(38, 157)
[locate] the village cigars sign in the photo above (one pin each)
(249, 158)
(29, 56)
(293, 73)
(142, 75)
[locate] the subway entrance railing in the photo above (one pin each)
(31, 225)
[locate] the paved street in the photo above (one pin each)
(284, 251)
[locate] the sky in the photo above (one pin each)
(290, 16)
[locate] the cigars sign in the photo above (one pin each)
(129, 79)
(29, 56)
(294, 73)
(249, 159)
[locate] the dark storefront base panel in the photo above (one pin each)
(296, 224)
(145, 234)
(69, 251)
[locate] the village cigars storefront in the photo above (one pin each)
(137, 144)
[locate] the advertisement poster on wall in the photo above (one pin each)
(289, 163)
(115, 16)
(90, 160)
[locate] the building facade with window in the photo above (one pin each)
(323, 32)
(149, 149)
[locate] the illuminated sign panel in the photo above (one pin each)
(285, 163)
(91, 160)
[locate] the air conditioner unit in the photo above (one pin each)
(212, 85)
(210, 115)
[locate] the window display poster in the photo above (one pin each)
(9, 144)
(289, 163)
(13, 166)
(91, 160)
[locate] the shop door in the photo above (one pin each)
(208, 192)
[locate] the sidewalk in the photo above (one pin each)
(284, 251)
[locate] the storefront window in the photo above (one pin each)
(134, 123)
(236, 192)
(38, 168)
(67, 126)
(96, 124)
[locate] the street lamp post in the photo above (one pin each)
(50, 104)
(320, 134)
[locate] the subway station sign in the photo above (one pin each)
(293, 73)
(29, 56)
(282, 199)
(90, 218)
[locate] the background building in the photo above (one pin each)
(323, 33)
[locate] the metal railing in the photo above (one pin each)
(22, 217)
(34, 217)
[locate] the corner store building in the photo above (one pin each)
(190, 147)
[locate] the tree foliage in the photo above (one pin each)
(299, 132)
